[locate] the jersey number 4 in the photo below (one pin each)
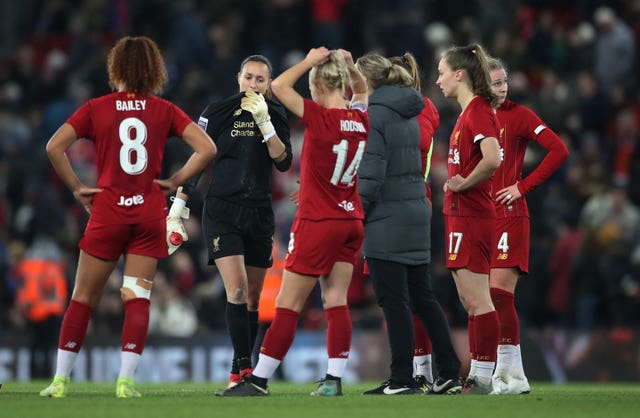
(133, 154)
(503, 242)
(340, 175)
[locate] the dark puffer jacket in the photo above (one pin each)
(397, 214)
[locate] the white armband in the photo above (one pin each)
(268, 136)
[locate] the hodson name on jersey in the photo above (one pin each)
(352, 126)
(131, 104)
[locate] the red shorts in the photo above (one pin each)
(511, 247)
(469, 243)
(109, 241)
(315, 246)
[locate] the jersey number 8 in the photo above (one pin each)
(133, 135)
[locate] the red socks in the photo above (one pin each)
(280, 334)
(471, 333)
(74, 326)
(338, 331)
(134, 331)
(487, 328)
(136, 325)
(422, 342)
(509, 323)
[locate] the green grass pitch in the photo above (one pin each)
(292, 400)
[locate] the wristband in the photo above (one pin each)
(268, 136)
(177, 207)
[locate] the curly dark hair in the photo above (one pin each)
(136, 64)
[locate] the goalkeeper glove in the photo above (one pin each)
(255, 104)
(176, 233)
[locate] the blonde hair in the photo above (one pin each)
(380, 71)
(473, 60)
(495, 64)
(333, 73)
(409, 63)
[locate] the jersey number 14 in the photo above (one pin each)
(340, 175)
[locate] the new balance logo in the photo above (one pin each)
(130, 346)
(344, 354)
(71, 344)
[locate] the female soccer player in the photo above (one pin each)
(469, 213)
(511, 252)
(252, 135)
(327, 232)
(127, 207)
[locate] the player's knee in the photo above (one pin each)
(133, 287)
(238, 295)
(466, 303)
(333, 297)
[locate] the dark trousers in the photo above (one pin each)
(401, 289)
(44, 339)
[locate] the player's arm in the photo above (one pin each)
(56, 149)
(282, 86)
(256, 104)
(282, 161)
(358, 81)
(485, 168)
(556, 155)
(204, 151)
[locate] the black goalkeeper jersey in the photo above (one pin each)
(242, 167)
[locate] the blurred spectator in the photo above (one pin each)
(40, 299)
(615, 50)
(326, 17)
(593, 108)
(182, 272)
(172, 314)
(561, 262)
(610, 228)
(623, 146)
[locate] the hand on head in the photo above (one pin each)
(317, 56)
(347, 56)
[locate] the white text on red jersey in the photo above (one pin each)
(125, 105)
(352, 126)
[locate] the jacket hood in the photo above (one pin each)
(405, 101)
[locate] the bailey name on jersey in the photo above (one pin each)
(125, 105)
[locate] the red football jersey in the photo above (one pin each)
(519, 126)
(476, 122)
(129, 132)
(334, 142)
(428, 120)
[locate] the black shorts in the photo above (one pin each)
(232, 229)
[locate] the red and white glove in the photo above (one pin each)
(176, 234)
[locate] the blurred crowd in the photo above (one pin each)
(576, 63)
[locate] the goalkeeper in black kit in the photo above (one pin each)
(252, 135)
